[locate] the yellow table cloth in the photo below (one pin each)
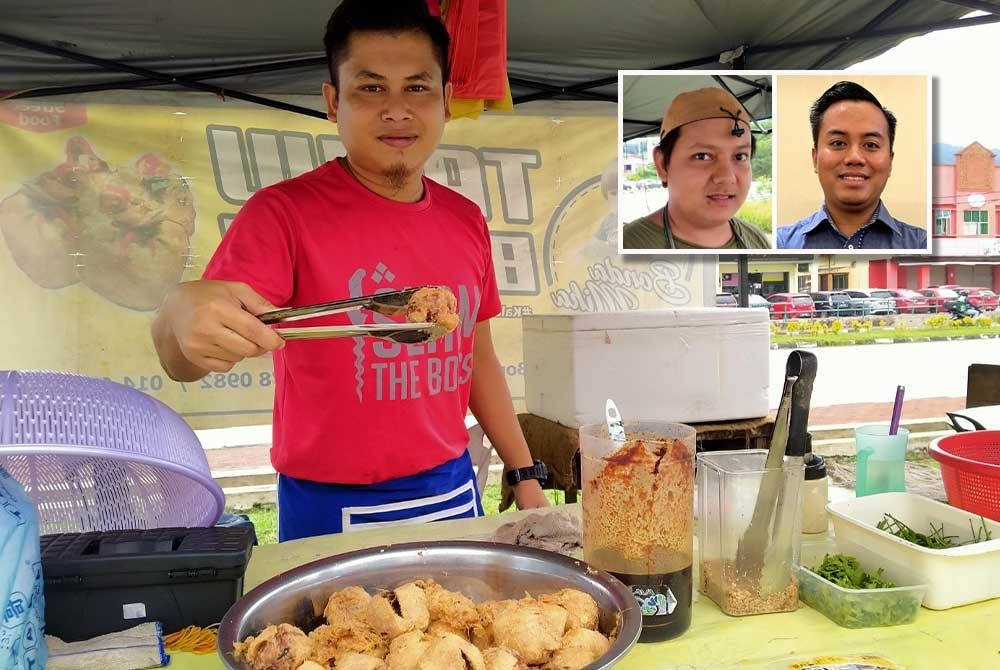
(962, 638)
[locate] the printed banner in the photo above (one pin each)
(104, 207)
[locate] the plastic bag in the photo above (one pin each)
(837, 662)
(22, 640)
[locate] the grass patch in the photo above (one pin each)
(833, 339)
(265, 517)
(491, 499)
(758, 213)
(265, 522)
(916, 456)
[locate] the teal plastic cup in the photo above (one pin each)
(881, 459)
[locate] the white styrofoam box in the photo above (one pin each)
(695, 364)
(954, 576)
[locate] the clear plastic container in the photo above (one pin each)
(728, 485)
(855, 608)
(638, 517)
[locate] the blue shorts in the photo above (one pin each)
(308, 508)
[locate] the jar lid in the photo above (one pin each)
(815, 466)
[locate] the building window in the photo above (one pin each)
(833, 281)
(942, 221)
(977, 221)
(805, 284)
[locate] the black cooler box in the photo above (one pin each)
(103, 582)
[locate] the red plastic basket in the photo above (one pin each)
(970, 468)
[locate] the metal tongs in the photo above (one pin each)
(392, 303)
(759, 554)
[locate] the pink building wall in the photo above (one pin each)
(948, 196)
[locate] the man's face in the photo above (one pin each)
(391, 107)
(852, 155)
(708, 173)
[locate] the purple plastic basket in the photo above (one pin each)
(97, 455)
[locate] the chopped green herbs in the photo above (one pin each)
(844, 571)
(861, 607)
(936, 539)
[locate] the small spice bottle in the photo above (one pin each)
(814, 495)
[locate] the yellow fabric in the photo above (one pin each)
(963, 638)
(465, 108)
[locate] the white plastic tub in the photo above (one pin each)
(955, 576)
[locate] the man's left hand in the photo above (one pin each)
(529, 495)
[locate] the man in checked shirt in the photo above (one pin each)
(852, 154)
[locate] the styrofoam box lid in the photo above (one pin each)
(663, 318)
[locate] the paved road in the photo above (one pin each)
(870, 373)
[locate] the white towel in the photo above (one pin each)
(132, 649)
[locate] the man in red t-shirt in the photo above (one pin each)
(366, 432)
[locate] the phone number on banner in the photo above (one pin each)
(212, 382)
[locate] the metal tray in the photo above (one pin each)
(480, 570)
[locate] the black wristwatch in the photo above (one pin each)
(537, 470)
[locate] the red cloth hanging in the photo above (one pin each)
(478, 53)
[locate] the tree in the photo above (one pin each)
(761, 163)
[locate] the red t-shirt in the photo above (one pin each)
(363, 410)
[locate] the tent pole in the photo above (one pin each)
(560, 90)
(770, 48)
(975, 4)
(606, 81)
(743, 267)
(158, 76)
(887, 32)
(882, 16)
(142, 82)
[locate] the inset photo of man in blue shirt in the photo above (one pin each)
(852, 154)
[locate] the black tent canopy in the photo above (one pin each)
(557, 49)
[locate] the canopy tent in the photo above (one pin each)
(557, 49)
(644, 97)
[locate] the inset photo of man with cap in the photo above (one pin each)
(696, 161)
(853, 162)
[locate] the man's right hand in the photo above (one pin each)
(208, 326)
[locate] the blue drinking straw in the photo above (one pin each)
(897, 409)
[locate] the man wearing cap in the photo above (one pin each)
(704, 160)
(852, 154)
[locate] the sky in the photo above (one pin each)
(962, 62)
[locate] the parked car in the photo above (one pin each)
(726, 300)
(937, 296)
(832, 303)
(865, 303)
(909, 301)
(983, 299)
(730, 300)
(886, 301)
(791, 305)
